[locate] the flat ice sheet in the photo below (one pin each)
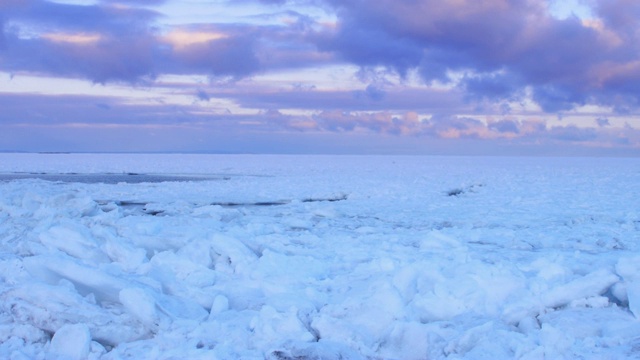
(320, 257)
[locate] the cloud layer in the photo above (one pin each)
(468, 55)
(501, 47)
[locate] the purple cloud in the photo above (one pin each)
(489, 55)
(566, 62)
(372, 92)
(375, 99)
(573, 133)
(102, 43)
(602, 122)
(501, 48)
(105, 42)
(505, 126)
(3, 37)
(234, 56)
(87, 123)
(202, 95)
(42, 14)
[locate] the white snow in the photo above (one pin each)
(319, 257)
(70, 342)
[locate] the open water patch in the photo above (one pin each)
(111, 178)
(143, 207)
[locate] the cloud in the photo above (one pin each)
(202, 95)
(42, 15)
(566, 62)
(90, 123)
(488, 51)
(111, 42)
(554, 98)
(233, 55)
(102, 60)
(372, 92)
(3, 37)
(621, 15)
(136, 2)
(505, 126)
(373, 99)
(572, 133)
(62, 109)
(495, 86)
(101, 42)
(370, 46)
(602, 122)
(122, 41)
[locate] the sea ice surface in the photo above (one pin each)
(106, 256)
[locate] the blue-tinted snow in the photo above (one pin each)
(395, 258)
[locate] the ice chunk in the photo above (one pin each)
(198, 252)
(182, 277)
(208, 211)
(119, 249)
(585, 322)
(183, 269)
(437, 240)
(365, 317)
(126, 255)
(272, 326)
(180, 308)
(105, 287)
(74, 240)
(220, 304)
(593, 284)
(86, 279)
(70, 342)
(408, 340)
(289, 268)
(230, 254)
(629, 270)
(141, 305)
(51, 307)
(555, 341)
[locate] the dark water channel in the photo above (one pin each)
(109, 178)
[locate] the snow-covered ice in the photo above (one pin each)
(318, 257)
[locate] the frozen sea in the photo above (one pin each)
(318, 257)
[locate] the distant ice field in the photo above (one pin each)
(120, 256)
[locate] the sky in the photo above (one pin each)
(455, 77)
